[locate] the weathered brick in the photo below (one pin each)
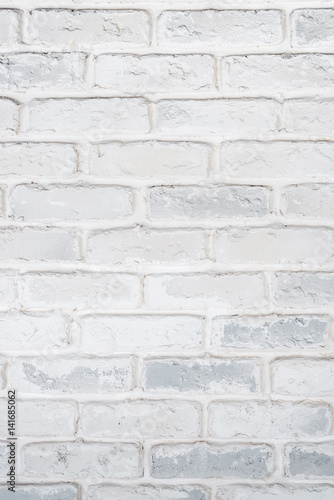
(309, 117)
(266, 420)
(105, 492)
(65, 375)
(208, 375)
(142, 419)
(8, 115)
(276, 491)
(7, 290)
(9, 27)
(41, 492)
(202, 460)
(313, 27)
(102, 334)
(304, 290)
(314, 201)
(310, 461)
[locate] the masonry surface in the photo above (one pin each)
(167, 248)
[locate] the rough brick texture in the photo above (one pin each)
(167, 248)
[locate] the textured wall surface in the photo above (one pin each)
(167, 248)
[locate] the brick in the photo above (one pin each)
(202, 460)
(303, 377)
(67, 27)
(149, 159)
(42, 492)
(210, 376)
(38, 244)
(37, 159)
(313, 201)
(309, 117)
(298, 71)
(269, 332)
(277, 159)
(268, 420)
(313, 27)
(105, 492)
(102, 334)
(42, 418)
(8, 115)
(71, 202)
(304, 290)
(154, 73)
(3, 461)
(7, 290)
(138, 245)
(9, 27)
(220, 28)
(269, 245)
(310, 461)
(96, 114)
(202, 291)
(81, 290)
(283, 492)
(65, 375)
(192, 202)
(30, 331)
(218, 116)
(142, 419)
(82, 460)
(2, 372)
(28, 70)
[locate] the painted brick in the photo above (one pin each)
(9, 27)
(304, 290)
(265, 420)
(8, 115)
(201, 460)
(42, 492)
(310, 461)
(309, 117)
(7, 290)
(283, 492)
(102, 334)
(105, 492)
(142, 419)
(314, 201)
(86, 375)
(269, 332)
(192, 202)
(211, 376)
(67, 27)
(149, 159)
(313, 27)
(154, 73)
(219, 28)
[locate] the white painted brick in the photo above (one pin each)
(108, 334)
(220, 28)
(88, 28)
(195, 202)
(38, 244)
(113, 114)
(277, 159)
(105, 492)
(139, 245)
(9, 26)
(42, 492)
(279, 71)
(29, 70)
(202, 460)
(304, 290)
(274, 246)
(208, 376)
(154, 73)
(3, 461)
(8, 115)
(309, 117)
(82, 460)
(142, 419)
(314, 201)
(37, 159)
(71, 202)
(42, 418)
(2, 373)
(303, 377)
(31, 331)
(81, 290)
(266, 420)
(276, 491)
(71, 375)
(7, 290)
(269, 332)
(202, 291)
(313, 27)
(149, 159)
(218, 116)
(310, 461)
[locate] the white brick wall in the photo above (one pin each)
(167, 248)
